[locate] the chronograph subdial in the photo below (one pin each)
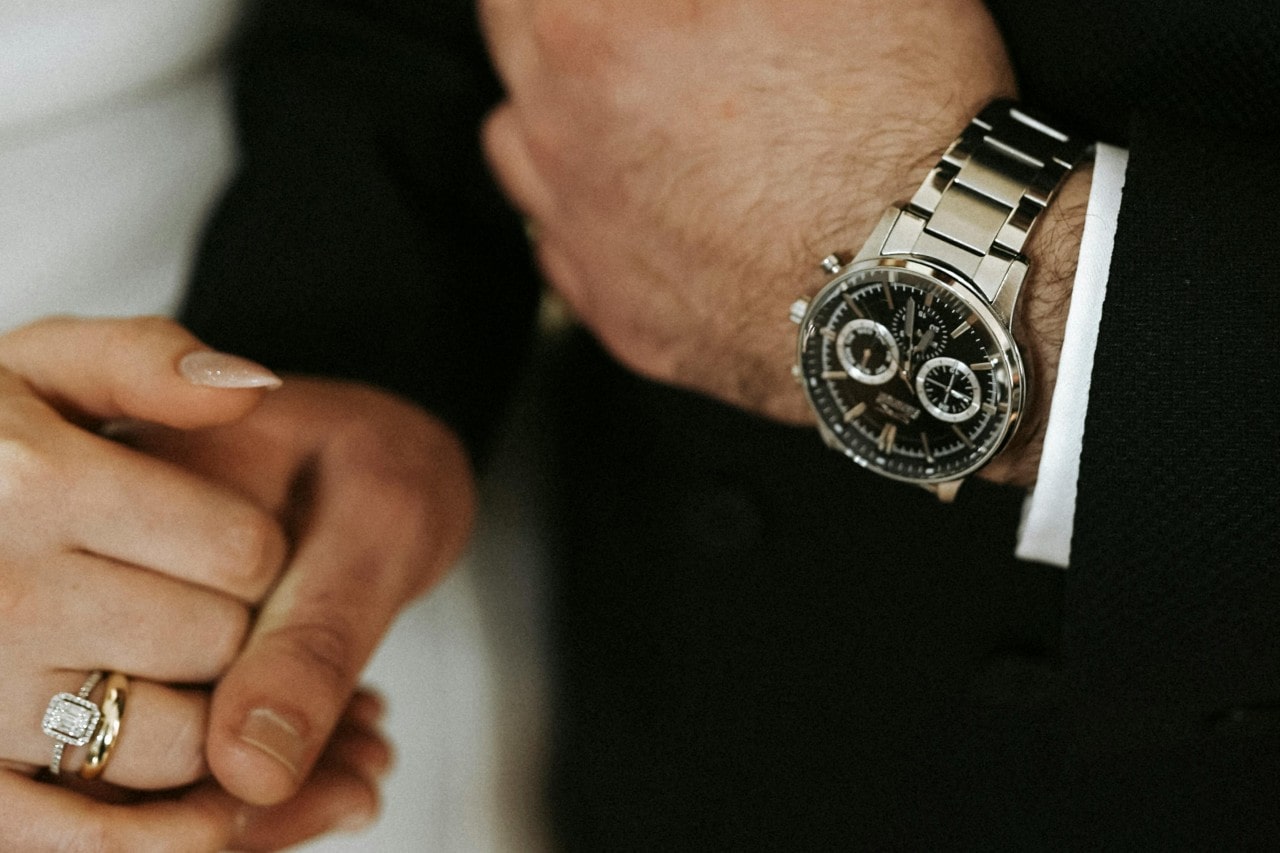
(867, 351)
(948, 389)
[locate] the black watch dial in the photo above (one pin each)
(911, 375)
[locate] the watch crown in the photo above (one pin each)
(798, 309)
(830, 264)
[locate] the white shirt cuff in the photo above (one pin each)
(1048, 516)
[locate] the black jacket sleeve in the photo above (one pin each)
(1176, 529)
(362, 237)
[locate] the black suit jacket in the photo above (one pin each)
(757, 645)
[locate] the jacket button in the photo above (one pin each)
(1014, 677)
(722, 518)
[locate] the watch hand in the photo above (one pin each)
(911, 333)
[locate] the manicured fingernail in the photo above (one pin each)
(270, 733)
(220, 370)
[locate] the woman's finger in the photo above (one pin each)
(391, 508)
(128, 506)
(148, 368)
(160, 744)
(81, 612)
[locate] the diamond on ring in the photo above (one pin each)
(71, 719)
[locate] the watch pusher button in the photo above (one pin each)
(798, 309)
(830, 264)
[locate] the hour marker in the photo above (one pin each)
(888, 436)
(888, 294)
(964, 327)
(829, 334)
(928, 452)
(834, 374)
(853, 306)
(928, 300)
(989, 408)
(956, 429)
(855, 413)
(981, 365)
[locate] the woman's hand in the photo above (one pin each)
(112, 560)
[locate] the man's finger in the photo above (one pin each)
(341, 794)
(147, 368)
(381, 527)
(511, 45)
(507, 150)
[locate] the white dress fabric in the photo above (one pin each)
(114, 141)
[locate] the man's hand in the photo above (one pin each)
(377, 498)
(686, 163)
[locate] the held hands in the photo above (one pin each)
(687, 164)
(115, 560)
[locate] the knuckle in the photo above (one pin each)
(88, 837)
(568, 35)
(132, 332)
(644, 354)
(252, 551)
(221, 639)
(185, 763)
(29, 468)
(17, 615)
(323, 648)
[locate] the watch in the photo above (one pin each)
(907, 353)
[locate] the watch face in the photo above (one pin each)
(911, 375)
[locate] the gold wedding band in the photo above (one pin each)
(108, 734)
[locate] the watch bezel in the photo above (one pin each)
(969, 294)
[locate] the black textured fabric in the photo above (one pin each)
(362, 236)
(1178, 529)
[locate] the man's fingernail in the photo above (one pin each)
(268, 732)
(354, 822)
(220, 370)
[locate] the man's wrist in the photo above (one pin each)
(1041, 320)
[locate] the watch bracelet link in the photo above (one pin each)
(978, 205)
